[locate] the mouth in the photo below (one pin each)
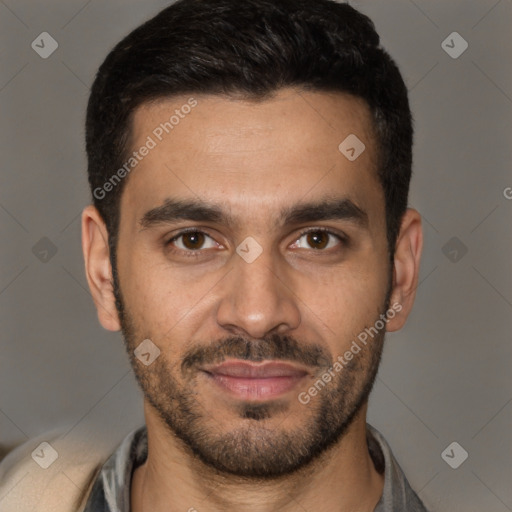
(255, 381)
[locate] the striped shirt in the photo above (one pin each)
(111, 488)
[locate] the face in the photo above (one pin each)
(252, 253)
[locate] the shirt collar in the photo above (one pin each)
(111, 489)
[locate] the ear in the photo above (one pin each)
(97, 267)
(406, 267)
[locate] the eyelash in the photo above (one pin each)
(197, 253)
(189, 254)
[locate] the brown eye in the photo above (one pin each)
(193, 240)
(318, 239)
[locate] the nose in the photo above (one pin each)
(256, 301)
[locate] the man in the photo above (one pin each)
(249, 164)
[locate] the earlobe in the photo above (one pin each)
(406, 267)
(97, 267)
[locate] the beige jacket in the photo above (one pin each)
(63, 486)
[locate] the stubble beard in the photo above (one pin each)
(257, 447)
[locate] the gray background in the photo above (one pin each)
(445, 377)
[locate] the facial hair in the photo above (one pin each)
(257, 446)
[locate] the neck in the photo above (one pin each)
(173, 480)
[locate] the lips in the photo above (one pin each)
(255, 381)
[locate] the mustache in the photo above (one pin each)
(271, 347)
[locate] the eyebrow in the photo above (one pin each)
(173, 210)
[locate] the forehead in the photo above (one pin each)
(224, 123)
(252, 154)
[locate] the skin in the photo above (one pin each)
(253, 159)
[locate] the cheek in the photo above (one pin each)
(161, 296)
(347, 299)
